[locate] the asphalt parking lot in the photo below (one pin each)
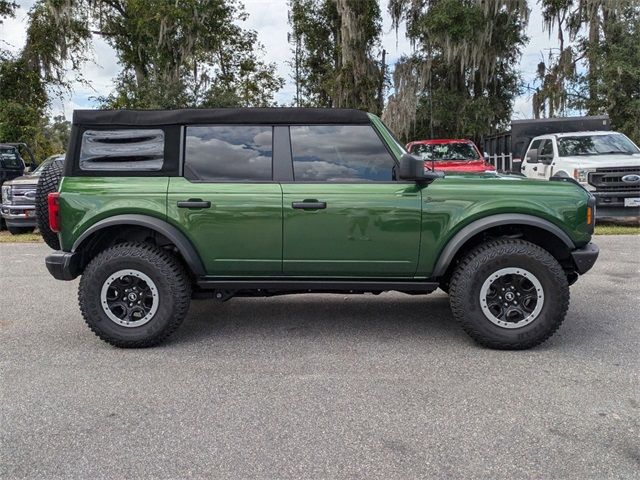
(319, 386)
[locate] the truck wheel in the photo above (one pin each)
(20, 230)
(509, 294)
(134, 295)
(48, 183)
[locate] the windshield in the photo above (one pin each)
(596, 145)
(446, 151)
(10, 158)
(38, 170)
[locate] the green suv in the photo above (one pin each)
(158, 207)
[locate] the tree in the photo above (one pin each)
(335, 46)
(597, 71)
(184, 53)
(462, 78)
(55, 40)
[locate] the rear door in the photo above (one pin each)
(227, 202)
(345, 215)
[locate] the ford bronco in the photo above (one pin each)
(158, 207)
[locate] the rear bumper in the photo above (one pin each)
(585, 257)
(62, 265)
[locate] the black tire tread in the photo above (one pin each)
(48, 183)
(168, 266)
(460, 281)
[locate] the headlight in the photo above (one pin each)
(582, 174)
(6, 194)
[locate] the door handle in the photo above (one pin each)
(309, 205)
(193, 203)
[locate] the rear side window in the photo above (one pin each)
(232, 153)
(340, 153)
(122, 150)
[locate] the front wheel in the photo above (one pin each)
(509, 294)
(134, 295)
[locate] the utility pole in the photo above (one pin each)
(383, 74)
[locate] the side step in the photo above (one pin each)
(320, 286)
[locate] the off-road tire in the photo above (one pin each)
(20, 230)
(480, 264)
(169, 276)
(48, 183)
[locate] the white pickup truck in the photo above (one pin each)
(605, 163)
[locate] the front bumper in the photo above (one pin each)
(19, 215)
(612, 204)
(585, 257)
(63, 265)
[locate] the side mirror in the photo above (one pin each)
(413, 168)
(532, 156)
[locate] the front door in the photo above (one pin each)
(227, 203)
(344, 213)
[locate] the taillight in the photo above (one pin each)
(54, 211)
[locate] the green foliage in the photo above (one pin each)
(314, 36)
(463, 79)
(186, 53)
(599, 71)
(7, 9)
(335, 44)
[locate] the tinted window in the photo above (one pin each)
(595, 145)
(547, 149)
(122, 150)
(10, 158)
(228, 153)
(535, 145)
(339, 153)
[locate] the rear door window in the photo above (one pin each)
(122, 150)
(231, 153)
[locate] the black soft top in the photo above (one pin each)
(276, 115)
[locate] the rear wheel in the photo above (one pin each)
(134, 295)
(509, 294)
(48, 183)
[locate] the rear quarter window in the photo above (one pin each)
(122, 150)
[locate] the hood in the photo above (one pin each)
(603, 161)
(24, 180)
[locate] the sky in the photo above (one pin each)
(269, 19)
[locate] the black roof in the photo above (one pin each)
(276, 115)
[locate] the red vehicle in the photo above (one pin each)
(450, 155)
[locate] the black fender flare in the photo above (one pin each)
(477, 226)
(182, 243)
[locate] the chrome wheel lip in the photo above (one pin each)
(105, 304)
(512, 271)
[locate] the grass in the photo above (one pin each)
(605, 229)
(6, 237)
(611, 229)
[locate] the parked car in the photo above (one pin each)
(19, 199)
(13, 165)
(605, 163)
(449, 155)
(157, 207)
